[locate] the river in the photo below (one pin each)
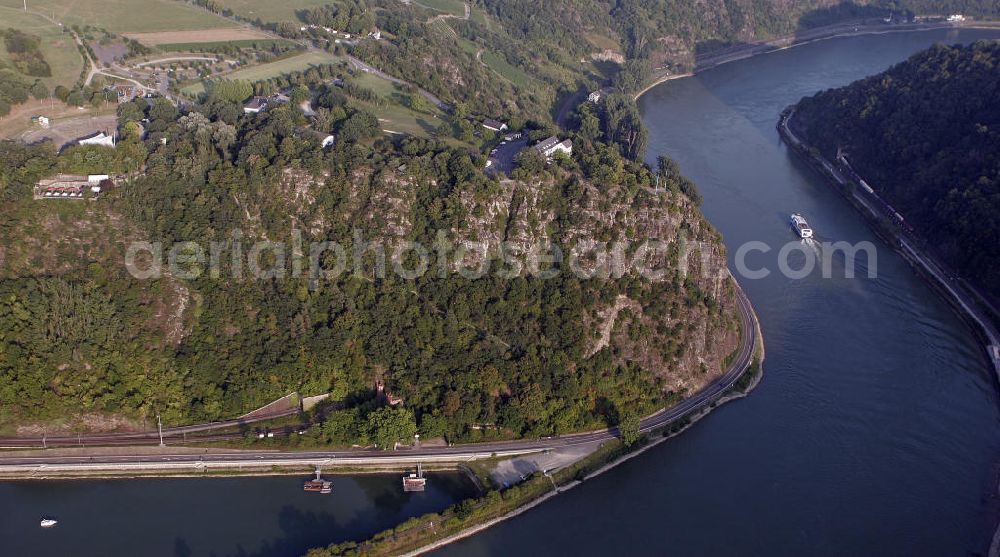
(876, 428)
(217, 517)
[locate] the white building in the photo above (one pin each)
(255, 105)
(549, 147)
(494, 125)
(99, 138)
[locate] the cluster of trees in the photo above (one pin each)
(25, 53)
(924, 134)
(352, 16)
(13, 90)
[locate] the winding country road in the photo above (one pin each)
(13, 463)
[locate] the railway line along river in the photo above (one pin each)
(876, 429)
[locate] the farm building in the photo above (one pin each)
(71, 186)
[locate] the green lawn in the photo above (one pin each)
(125, 16)
(454, 7)
(479, 17)
(498, 64)
(395, 116)
(601, 41)
(57, 47)
(467, 45)
(269, 10)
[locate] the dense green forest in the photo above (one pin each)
(470, 357)
(925, 134)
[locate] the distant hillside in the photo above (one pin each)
(926, 135)
(520, 57)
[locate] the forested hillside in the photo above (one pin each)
(496, 356)
(517, 56)
(926, 136)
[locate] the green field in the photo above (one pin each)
(498, 64)
(125, 16)
(395, 116)
(268, 10)
(601, 41)
(454, 7)
(57, 47)
(273, 69)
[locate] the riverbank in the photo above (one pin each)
(749, 50)
(436, 531)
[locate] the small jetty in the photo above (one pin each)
(415, 482)
(319, 485)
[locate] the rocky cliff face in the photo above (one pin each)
(679, 323)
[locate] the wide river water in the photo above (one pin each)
(876, 429)
(217, 517)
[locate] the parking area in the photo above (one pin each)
(503, 155)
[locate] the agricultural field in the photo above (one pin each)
(198, 36)
(68, 122)
(269, 10)
(57, 47)
(273, 69)
(125, 16)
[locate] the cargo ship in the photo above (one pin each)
(319, 485)
(800, 226)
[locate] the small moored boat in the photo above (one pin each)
(319, 485)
